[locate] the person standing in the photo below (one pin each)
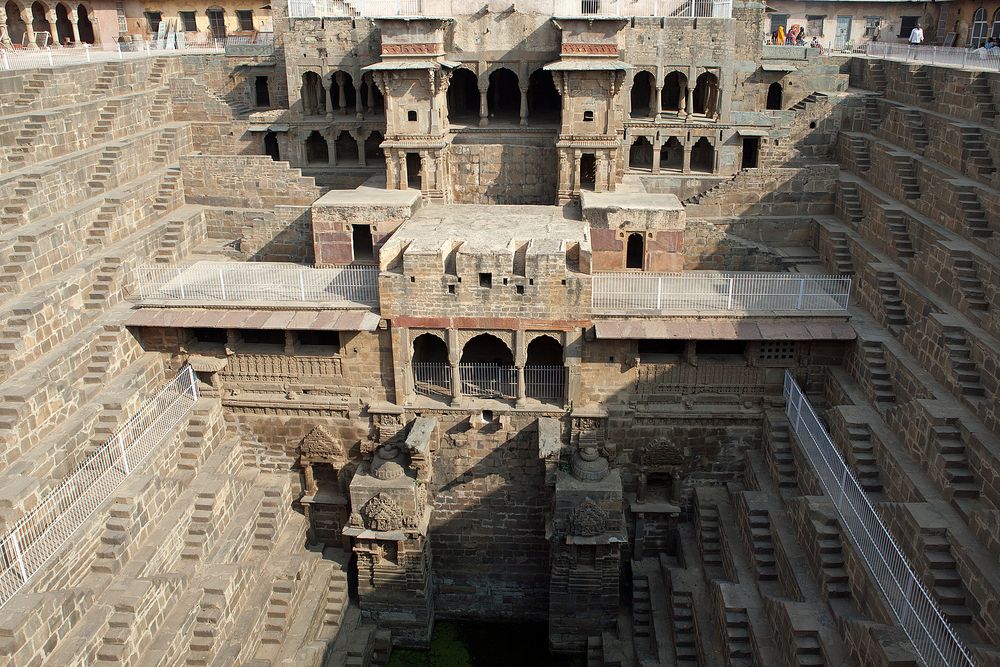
(916, 35)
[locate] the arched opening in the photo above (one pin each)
(16, 29)
(995, 26)
(674, 92)
(39, 23)
(64, 27)
(487, 368)
(588, 171)
(544, 351)
(271, 146)
(774, 96)
(706, 94)
(672, 155)
(487, 349)
(217, 22)
(373, 148)
(703, 156)
(346, 149)
(342, 92)
(313, 95)
(262, 94)
(413, 169)
(374, 100)
(978, 34)
(640, 155)
(643, 95)
(317, 150)
(544, 101)
(504, 95)
(635, 251)
(544, 372)
(431, 372)
(84, 26)
(463, 97)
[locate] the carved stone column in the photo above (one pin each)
(690, 100)
(359, 106)
(76, 29)
(484, 108)
(329, 98)
(686, 165)
(341, 97)
(404, 176)
(29, 30)
(601, 175)
(50, 16)
(370, 95)
(362, 160)
(391, 170)
(524, 107)
(454, 354)
(682, 103)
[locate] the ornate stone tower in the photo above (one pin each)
(389, 528)
(413, 76)
(589, 76)
(588, 528)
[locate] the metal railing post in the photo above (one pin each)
(18, 556)
(180, 278)
(6, 63)
(302, 286)
(222, 284)
(48, 54)
(124, 455)
(118, 47)
(659, 292)
(729, 303)
(802, 289)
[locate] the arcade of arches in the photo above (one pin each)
(47, 25)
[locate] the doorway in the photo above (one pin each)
(751, 152)
(843, 34)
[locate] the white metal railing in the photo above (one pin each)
(915, 611)
(28, 58)
(33, 540)
(488, 380)
(695, 290)
(354, 8)
(432, 379)
(665, 8)
(936, 55)
(545, 383)
(236, 282)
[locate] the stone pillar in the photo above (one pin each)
(657, 147)
(690, 100)
(370, 95)
(659, 102)
(682, 103)
(686, 165)
(425, 174)
(391, 170)
(524, 107)
(404, 176)
(73, 18)
(577, 155)
(329, 97)
(331, 149)
(601, 175)
(359, 106)
(406, 359)
(29, 30)
(454, 354)
(341, 99)
(520, 358)
(50, 16)
(362, 159)
(484, 107)
(715, 159)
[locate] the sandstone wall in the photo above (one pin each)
(250, 181)
(503, 174)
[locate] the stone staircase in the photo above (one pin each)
(642, 621)
(972, 211)
(968, 280)
(884, 394)
(805, 102)
(833, 575)
(873, 113)
(980, 88)
(683, 623)
(963, 366)
(896, 223)
(877, 73)
(922, 85)
(106, 121)
(739, 648)
(913, 120)
(842, 261)
(976, 151)
(945, 582)
(710, 542)
(908, 180)
(762, 546)
(859, 149)
(892, 302)
(862, 455)
(34, 84)
(778, 452)
(851, 199)
(947, 439)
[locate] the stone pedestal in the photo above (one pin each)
(388, 527)
(587, 531)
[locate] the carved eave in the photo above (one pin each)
(401, 535)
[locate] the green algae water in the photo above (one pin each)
(457, 644)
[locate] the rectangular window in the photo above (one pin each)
(906, 24)
(188, 22)
(653, 351)
(327, 339)
(777, 350)
(872, 23)
(264, 337)
(814, 25)
(153, 21)
(720, 348)
(244, 17)
(209, 335)
(778, 20)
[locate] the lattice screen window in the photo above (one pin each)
(777, 350)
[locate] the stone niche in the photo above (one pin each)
(632, 232)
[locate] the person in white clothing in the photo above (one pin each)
(916, 35)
